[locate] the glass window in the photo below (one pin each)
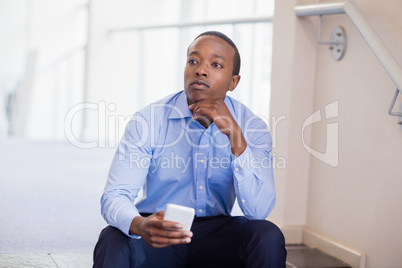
(126, 68)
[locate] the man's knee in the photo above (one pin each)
(113, 247)
(266, 247)
(268, 230)
(265, 231)
(113, 237)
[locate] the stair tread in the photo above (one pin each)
(303, 257)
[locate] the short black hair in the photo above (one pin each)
(236, 57)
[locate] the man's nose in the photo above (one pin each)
(202, 70)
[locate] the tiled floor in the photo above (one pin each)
(298, 257)
(50, 202)
(50, 196)
(51, 260)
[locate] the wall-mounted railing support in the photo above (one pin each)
(376, 45)
(337, 42)
(393, 104)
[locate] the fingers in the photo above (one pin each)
(159, 242)
(206, 110)
(166, 233)
(164, 238)
(156, 221)
(214, 110)
(160, 233)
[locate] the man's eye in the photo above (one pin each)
(192, 61)
(217, 65)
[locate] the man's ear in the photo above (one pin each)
(233, 83)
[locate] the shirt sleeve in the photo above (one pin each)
(127, 175)
(253, 174)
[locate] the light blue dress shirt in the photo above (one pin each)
(176, 160)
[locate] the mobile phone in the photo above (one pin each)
(181, 214)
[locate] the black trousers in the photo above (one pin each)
(220, 241)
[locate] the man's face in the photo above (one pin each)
(209, 67)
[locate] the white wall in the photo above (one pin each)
(357, 202)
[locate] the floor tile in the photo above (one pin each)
(72, 260)
(26, 260)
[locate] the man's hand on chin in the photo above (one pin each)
(215, 110)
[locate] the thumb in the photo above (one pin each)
(192, 106)
(159, 215)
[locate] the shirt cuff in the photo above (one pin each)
(242, 165)
(125, 223)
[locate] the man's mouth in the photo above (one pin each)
(199, 84)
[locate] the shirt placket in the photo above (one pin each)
(201, 174)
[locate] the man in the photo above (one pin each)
(198, 148)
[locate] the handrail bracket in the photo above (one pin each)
(390, 112)
(337, 42)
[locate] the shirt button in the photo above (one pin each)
(202, 161)
(201, 187)
(236, 169)
(205, 133)
(243, 201)
(200, 211)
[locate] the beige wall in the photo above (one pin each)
(357, 203)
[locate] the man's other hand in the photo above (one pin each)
(159, 233)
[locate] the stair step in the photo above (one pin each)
(300, 256)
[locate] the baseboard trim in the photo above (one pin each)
(355, 258)
(312, 239)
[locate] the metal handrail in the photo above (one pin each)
(192, 24)
(376, 45)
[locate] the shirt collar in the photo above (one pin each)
(180, 109)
